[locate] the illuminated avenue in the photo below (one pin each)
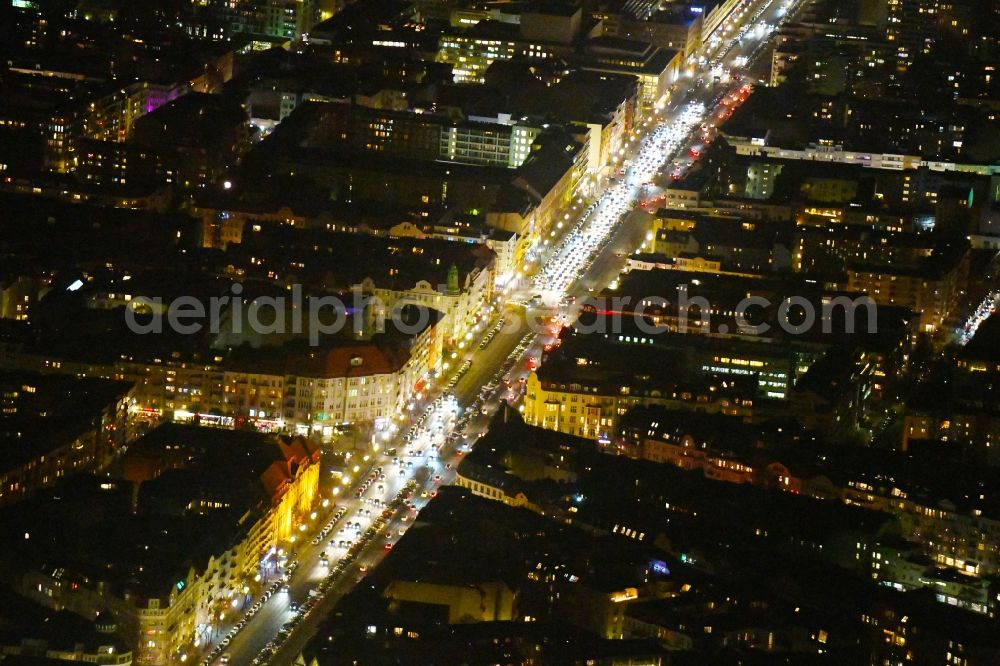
(535, 332)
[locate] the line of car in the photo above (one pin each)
(492, 333)
(219, 651)
(459, 373)
(579, 247)
(581, 259)
(354, 547)
(316, 594)
(341, 512)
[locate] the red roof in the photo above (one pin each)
(356, 360)
(275, 478)
(296, 449)
(297, 452)
(361, 361)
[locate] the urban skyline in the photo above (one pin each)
(529, 332)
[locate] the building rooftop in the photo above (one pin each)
(165, 509)
(394, 263)
(725, 293)
(985, 344)
(345, 360)
(23, 621)
(41, 413)
(580, 96)
(607, 53)
(196, 120)
(593, 364)
(553, 154)
(709, 231)
(712, 433)
(488, 643)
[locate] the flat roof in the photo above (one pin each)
(42, 413)
(98, 528)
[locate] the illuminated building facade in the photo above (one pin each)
(656, 68)
(503, 145)
(471, 56)
(93, 415)
(360, 383)
(499, 141)
(355, 384)
(110, 118)
(200, 544)
(593, 411)
(284, 19)
(930, 294)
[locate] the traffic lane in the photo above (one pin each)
(267, 622)
(370, 556)
(438, 472)
(251, 639)
(272, 614)
(611, 259)
(306, 629)
(624, 234)
(577, 250)
(490, 363)
(264, 624)
(487, 361)
(491, 360)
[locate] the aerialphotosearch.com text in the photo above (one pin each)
(315, 317)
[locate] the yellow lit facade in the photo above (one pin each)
(588, 411)
(176, 626)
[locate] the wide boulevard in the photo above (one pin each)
(375, 500)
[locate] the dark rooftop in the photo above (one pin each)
(141, 542)
(41, 413)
